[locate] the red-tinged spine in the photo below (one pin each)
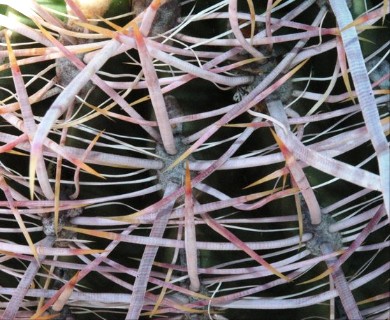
(155, 4)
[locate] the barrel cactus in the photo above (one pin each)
(194, 159)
